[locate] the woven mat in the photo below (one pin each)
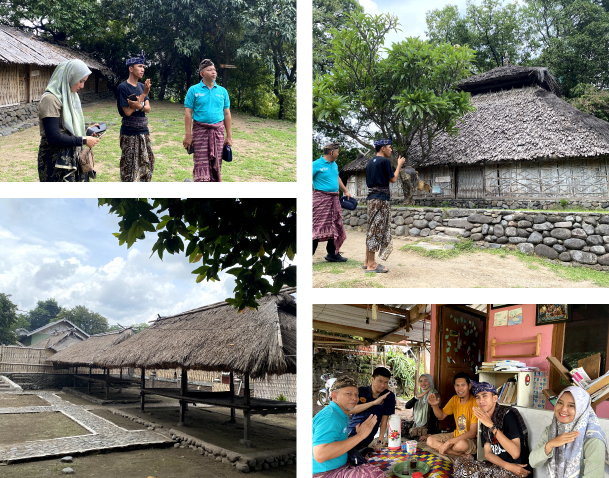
(386, 459)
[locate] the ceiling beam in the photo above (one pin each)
(335, 337)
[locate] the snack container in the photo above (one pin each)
(411, 447)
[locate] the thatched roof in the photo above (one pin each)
(25, 48)
(217, 338)
(53, 327)
(520, 124)
(510, 76)
(86, 352)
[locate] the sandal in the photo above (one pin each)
(379, 269)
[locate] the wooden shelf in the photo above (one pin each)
(536, 341)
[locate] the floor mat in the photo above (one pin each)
(386, 459)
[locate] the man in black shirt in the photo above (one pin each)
(504, 437)
(379, 174)
(137, 159)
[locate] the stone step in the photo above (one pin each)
(434, 247)
(453, 240)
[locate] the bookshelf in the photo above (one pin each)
(524, 383)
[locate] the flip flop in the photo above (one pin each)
(379, 269)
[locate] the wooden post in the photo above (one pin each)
(231, 387)
(143, 386)
(120, 386)
(96, 79)
(246, 414)
(89, 386)
(183, 391)
(107, 373)
(29, 87)
(416, 372)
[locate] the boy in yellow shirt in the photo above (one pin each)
(463, 440)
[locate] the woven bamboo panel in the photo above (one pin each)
(24, 355)
(428, 175)
(362, 187)
(9, 85)
(273, 386)
(469, 181)
(352, 186)
(22, 72)
(102, 85)
(40, 82)
(89, 84)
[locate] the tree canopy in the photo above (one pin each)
(89, 321)
(8, 319)
(251, 239)
(44, 312)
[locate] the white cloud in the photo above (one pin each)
(65, 247)
(6, 234)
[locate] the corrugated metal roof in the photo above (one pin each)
(348, 317)
(25, 48)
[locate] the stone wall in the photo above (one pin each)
(353, 365)
(41, 381)
(20, 117)
(533, 204)
(576, 239)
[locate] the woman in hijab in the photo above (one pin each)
(62, 125)
(573, 445)
(423, 417)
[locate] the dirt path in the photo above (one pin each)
(409, 269)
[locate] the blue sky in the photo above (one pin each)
(64, 248)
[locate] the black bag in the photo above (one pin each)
(355, 457)
(227, 153)
(348, 203)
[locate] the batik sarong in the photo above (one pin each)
(137, 159)
(378, 237)
(328, 218)
(208, 140)
(467, 467)
(349, 471)
(57, 164)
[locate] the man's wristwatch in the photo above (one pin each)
(493, 430)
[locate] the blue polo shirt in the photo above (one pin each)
(325, 175)
(386, 408)
(208, 105)
(329, 426)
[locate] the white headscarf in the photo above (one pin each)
(421, 407)
(66, 75)
(565, 461)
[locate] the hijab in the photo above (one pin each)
(66, 75)
(565, 461)
(421, 406)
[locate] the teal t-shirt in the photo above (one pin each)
(325, 175)
(329, 426)
(207, 105)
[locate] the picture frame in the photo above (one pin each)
(500, 306)
(552, 313)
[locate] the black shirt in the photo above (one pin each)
(378, 173)
(511, 429)
(123, 91)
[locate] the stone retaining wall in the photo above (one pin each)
(41, 381)
(577, 239)
(533, 204)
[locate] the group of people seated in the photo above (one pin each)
(344, 432)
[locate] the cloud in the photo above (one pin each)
(6, 234)
(65, 247)
(54, 272)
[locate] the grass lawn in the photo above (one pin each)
(10, 400)
(263, 149)
(20, 428)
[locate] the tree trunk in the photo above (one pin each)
(187, 71)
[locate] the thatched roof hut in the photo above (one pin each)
(216, 338)
(60, 340)
(27, 63)
(522, 142)
(85, 353)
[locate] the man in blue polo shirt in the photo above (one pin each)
(331, 443)
(327, 213)
(374, 400)
(209, 105)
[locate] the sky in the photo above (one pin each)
(64, 248)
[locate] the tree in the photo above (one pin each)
(8, 319)
(405, 91)
(248, 238)
(44, 312)
(89, 321)
(137, 328)
(591, 100)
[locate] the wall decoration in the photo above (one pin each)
(501, 318)
(552, 313)
(515, 316)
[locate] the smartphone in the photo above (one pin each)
(191, 150)
(98, 129)
(101, 134)
(132, 97)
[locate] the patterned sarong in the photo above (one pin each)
(57, 164)
(137, 159)
(328, 218)
(135, 122)
(378, 238)
(208, 140)
(349, 471)
(465, 467)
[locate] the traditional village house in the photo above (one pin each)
(524, 146)
(26, 66)
(53, 333)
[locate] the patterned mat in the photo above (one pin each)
(439, 468)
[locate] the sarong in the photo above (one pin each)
(328, 218)
(349, 471)
(137, 159)
(57, 164)
(378, 237)
(208, 140)
(469, 468)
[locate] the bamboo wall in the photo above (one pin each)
(25, 360)
(574, 178)
(9, 85)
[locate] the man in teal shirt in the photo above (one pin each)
(327, 214)
(331, 442)
(209, 105)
